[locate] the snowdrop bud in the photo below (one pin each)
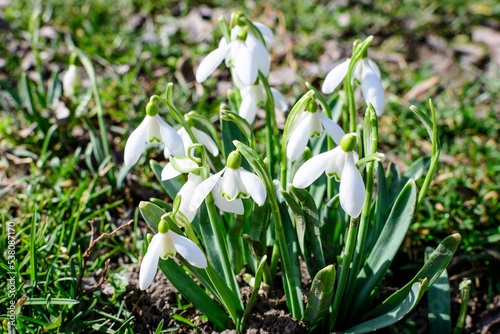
(348, 142)
(242, 35)
(163, 226)
(312, 107)
(240, 20)
(151, 109)
(234, 160)
(71, 80)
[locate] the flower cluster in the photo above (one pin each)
(247, 55)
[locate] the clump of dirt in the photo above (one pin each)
(160, 301)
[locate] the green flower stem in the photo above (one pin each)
(326, 107)
(292, 288)
(358, 52)
(464, 296)
(272, 132)
(298, 107)
(344, 271)
(220, 244)
(360, 244)
(436, 150)
(370, 147)
(234, 238)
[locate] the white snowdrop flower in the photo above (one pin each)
(246, 55)
(368, 74)
(341, 164)
(166, 244)
(232, 183)
(309, 124)
(188, 189)
(201, 137)
(152, 129)
(254, 96)
(71, 80)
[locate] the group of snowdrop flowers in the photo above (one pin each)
(246, 55)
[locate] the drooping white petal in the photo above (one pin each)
(279, 100)
(71, 80)
(189, 250)
(335, 166)
(203, 190)
(372, 90)
(315, 127)
(186, 140)
(150, 263)
(167, 247)
(332, 128)
(245, 65)
(266, 32)
(135, 144)
(299, 138)
(260, 54)
(235, 206)
(311, 170)
(254, 186)
(335, 77)
(211, 62)
(358, 70)
(171, 138)
(238, 83)
(248, 108)
(153, 133)
(186, 194)
(229, 187)
(169, 172)
(374, 67)
(234, 32)
(352, 189)
(206, 141)
(183, 164)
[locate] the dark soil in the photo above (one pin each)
(161, 300)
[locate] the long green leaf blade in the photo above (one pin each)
(386, 246)
(321, 294)
(189, 289)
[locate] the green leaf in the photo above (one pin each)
(189, 289)
(300, 219)
(256, 287)
(437, 263)
(321, 294)
(411, 299)
(159, 328)
(172, 186)
(386, 247)
(51, 301)
(312, 224)
(439, 302)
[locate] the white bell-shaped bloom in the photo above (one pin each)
(366, 72)
(309, 124)
(341, 165)
(188, 189)
(71, 80)
(231, 184)
(153, 129)
(254, 96)
(165, 245)
(244, 52)
(201, 137)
